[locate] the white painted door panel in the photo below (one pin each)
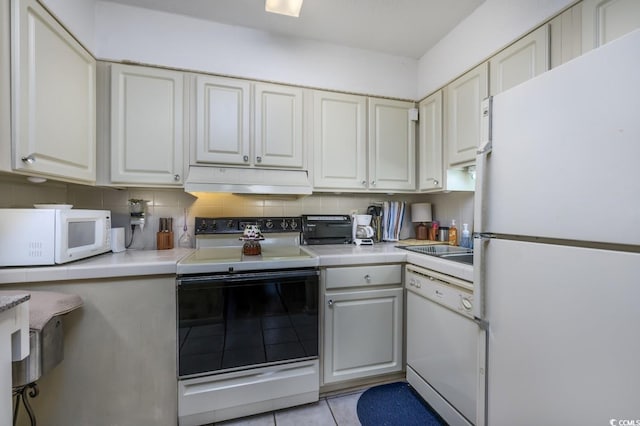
(521, 61)
(146, 125)
(53, 97)
(462, 118)
(339, 141)
(222, 121)
(362, 334)
(391, 145)
(606, 20)
(563, 334)
(431, 143)
(278, 126)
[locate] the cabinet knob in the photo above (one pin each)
(364, 183)
(176, 177)
(29, 159)
(367, 278)
(258, 159)
(373, 183)
(330, 302)
(245, 158)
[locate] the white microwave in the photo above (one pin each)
(30, 237)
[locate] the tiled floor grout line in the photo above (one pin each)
(326, 400)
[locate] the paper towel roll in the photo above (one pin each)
(117, 240)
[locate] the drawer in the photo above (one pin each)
(363, 276)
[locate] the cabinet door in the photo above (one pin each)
(339, 141)
(362, 334)
(146, 125)
(53, 98)
(222, 121)
(606, 20)
(462, 114)
(524, 59)
(430, 144)
(278, 126)
(566, 35)
(392, 145)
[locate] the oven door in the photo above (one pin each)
(229, 322)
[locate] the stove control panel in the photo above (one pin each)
(235, 225)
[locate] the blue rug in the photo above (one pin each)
(395, 404)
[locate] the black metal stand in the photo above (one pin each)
(24, 392)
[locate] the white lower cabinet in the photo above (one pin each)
(363, 322)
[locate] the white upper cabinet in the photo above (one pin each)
(278, 126)
(222, 121)
(146, 125)
(224, 128)
(392, 147)
(347, 157)
(566, 35)
(430, 144)
(53, 83)
(606, 20)
(339, 141)
(462, 114)
(521, 61)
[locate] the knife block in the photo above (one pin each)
(164, 240)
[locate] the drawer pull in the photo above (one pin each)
(330, 302)
(367, 278)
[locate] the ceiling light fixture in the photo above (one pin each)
(284, 7)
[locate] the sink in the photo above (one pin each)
(437, 250)
(459, 257)
(453, 253)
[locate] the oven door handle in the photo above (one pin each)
(247, 277)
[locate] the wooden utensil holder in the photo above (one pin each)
(165, 240)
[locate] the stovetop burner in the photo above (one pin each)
(219, 246)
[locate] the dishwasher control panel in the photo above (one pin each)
(447, 291)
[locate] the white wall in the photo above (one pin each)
(116, 32)
(78, 16)
(124, 32)
(492, 26)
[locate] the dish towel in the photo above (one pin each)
(44, 305)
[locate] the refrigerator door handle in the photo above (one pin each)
(481, 162)
(479, 246)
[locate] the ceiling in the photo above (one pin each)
(399, 27)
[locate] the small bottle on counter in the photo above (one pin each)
(453, 234)
(465, 241)
(433, 231)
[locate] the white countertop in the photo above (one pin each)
(159, 262)
(126, 263)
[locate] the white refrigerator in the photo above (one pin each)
(557, 243)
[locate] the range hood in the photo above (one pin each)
(247, 181)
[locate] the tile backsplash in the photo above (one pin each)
(16, 191)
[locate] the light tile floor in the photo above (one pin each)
(337, 410)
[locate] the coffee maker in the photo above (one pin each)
(362, 230)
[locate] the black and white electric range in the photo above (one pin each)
(247, 324)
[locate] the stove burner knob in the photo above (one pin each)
(269, 224)
(283, 224)
(294, 225)
(230, 224)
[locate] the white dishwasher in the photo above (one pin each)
(446, 346)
